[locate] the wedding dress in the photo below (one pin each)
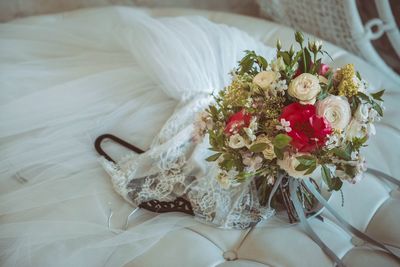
(66, 79)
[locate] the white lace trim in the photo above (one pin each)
(167, 171)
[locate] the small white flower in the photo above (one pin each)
(289, 164)
(318, 44)
(253, 163)
(236, 141)
(285, 126)
(373, 115)
(202, 122)
(362, 113)
(359, 166)
(371, 130)
(279, 86)
(249, 132)
(334, 140)
(270, 179)
(360, 84)
(355, 129)
(253, 124)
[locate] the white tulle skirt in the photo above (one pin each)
(64, 80)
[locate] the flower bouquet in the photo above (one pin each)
(287, 120)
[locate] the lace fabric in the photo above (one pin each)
(69, 78)
(175, 166)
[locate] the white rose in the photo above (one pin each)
(362, 113)
(305, 87)
(236, 141)
(336, 110)
(290, 163)
(264, 79)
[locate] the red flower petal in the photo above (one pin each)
(237, 121)
(308, 130)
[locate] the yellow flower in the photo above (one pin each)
(347, 86)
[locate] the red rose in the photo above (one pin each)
(308, 131)
(237, 121)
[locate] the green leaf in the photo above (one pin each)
(326, 53)
(342, 153)
(302, 167)
(378, 108)
(336, 184)
(259, 147)
(281, 140)
(326, 175)
(285, 56)
(214, 157)
(306, 160)
(308, 59)
(311, 169)
(324, 93)
(262, 62)
(378, 95)
(358, 75)
(278, 153)
(297, 57)
(357, 142)
(354, 103)
(363, 97)
(228, 164)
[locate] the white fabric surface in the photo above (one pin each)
(65, 79)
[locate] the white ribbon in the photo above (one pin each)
(294, 185)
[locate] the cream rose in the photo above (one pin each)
(264, 79)
(236, 141)
(305, 87)
(336, 110)
(289, 163)
(268, 152)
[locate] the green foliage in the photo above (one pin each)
(281, 141)
(357, 143)
(343, 153)
(258, 147)
(252, 63)
(213, 157)
(378, 95)
(333, 183)
(371, 101)
(308, 163)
